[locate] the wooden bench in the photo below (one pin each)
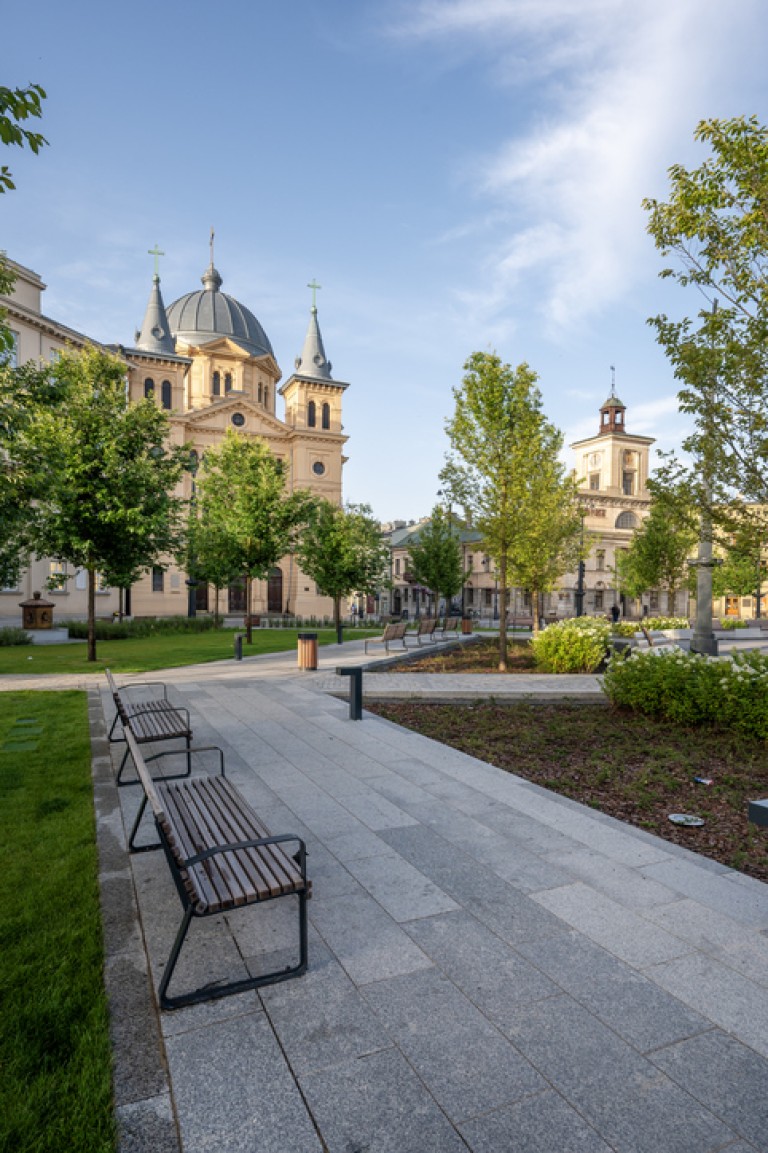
(222, 857)
(156, 719)
(392, 632)
(425, 631)
(451, 625)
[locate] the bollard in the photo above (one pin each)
(355, 691)
(239, 646)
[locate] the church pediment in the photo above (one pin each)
(235, 411)
(226, 347)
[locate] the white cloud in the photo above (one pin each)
(622, 85)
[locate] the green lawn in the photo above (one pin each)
(165, 651)
(55, 1055)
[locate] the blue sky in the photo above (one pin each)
(457, 175)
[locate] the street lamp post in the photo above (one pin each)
(192, 560)
(703, 639)
(581, 571)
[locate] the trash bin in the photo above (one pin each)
(307, 650)
(466, 625)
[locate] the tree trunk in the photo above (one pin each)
(536, 612)
(671, 594)
(503, 614)
(337, 620)
(91, 613)
(217, 592)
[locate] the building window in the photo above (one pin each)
(227, 381)
(217, 384)
(600, 559)
(653, 598)
(149, 387)
(470, 595)
(594, 480)
(488, 600)
(260, 390)
(326, 416)
(311, 414)
(10, 355)
(57, 575)
(599, 598)
(628, 484)
(626, 520)
(266, 396)
(397, 567)
(157, 580)
(165, 394)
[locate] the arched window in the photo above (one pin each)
(217, 384)
(326, 416)
(266, 396)
(227, 381)
(260, 392)
(149, 387)
(626, 520)
(165, 394)
(311, 414)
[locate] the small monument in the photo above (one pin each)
(36, 613)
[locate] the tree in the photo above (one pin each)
(341, 550)
(16, 104)
(435, 557)
(207, 554)
(506, 468)
(107, 503)
(244, 504)
(658, 556)
(715, 225)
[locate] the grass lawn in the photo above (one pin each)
(164, 651)
(55, 1054)
(633, 767)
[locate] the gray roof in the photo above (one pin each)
(613, 402)
(313, 362)
(200, 317)
(155, 335)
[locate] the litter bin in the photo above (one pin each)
(307, 650)
(466, 625)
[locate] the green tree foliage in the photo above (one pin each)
(341, 550)
(715, 226)
(244, 503)
(16, 104)
(660, 550)
(24, 392)
(207, 554)
(104, 488)
(435, 557)
(506, 468)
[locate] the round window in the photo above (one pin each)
(238, 419)
(318, 468)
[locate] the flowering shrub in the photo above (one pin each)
(579, 645)
(629, 628)
(692, 689)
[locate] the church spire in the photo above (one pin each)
(312, 361)
(155, 334)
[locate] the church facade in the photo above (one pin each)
(207, 360)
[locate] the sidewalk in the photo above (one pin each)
(492, 968)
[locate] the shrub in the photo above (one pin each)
(629, 628)
(729, 623)
(579, 645)
(692, 689)
(14, 636)
(141, 627)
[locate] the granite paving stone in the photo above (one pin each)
(543, 1123)
(400, 888)
(428, 1017)
(726, 1076)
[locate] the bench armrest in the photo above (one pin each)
(255, 843)
(145, 685)
(184, 752)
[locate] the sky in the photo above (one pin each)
(458, 176)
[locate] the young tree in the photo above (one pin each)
(241, 493)
(341, 550)
(715, 225)
(659, 554)
(207, 554)
(506, 466)
(435, 557)
(107, 504)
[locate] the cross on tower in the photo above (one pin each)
(155, 252)
(314, 286)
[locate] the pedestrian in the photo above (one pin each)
(615, 614)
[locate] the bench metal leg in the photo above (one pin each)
(214, 992)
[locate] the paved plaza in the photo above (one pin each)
(492, 968)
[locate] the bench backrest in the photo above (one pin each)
(395, 631)
(426, 626)
(147, 784)
(112, 684)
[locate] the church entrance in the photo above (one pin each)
(237, 596)
(275, 591)
(201, 598)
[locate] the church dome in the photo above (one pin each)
(200, 317)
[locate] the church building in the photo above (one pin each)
(207, 360)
